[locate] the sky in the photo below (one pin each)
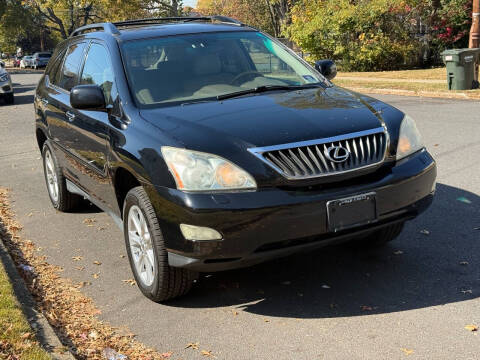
(191, 3)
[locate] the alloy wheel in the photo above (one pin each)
(51, 174)
(141, 246)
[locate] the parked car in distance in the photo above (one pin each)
(40, 59)
(213, 147)
(26, 62)
(6, 88)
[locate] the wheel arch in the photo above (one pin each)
(123, 181)
(41, 137)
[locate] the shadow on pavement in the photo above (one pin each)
(429, 271)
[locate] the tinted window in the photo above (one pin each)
(54, 69)
(69, 73)
(98, 70)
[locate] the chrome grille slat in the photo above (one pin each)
(310, 159)
(320, 155)
(306, 161)
(314, 159)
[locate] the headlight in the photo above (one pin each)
(4, 77)
(409, 140)
(197, 171)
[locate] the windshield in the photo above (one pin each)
(46, 56)
(188, 68)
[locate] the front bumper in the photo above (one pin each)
(268, 223)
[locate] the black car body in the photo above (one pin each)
(323, 161)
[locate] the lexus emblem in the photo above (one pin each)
(337, 154)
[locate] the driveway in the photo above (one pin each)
(416, 294)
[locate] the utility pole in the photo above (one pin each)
(474, 41)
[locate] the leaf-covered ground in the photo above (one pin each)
(74, 315)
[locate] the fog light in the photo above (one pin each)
(198, 233)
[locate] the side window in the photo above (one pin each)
(73, 59)
(98, 70)
(54, 69)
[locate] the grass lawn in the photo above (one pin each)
(413, 86)
(425, 74)
(17, 340)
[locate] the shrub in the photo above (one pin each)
(363, 35)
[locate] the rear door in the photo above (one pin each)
(59, 111)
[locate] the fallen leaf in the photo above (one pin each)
(89, 221)
(80, 268)
(122, 256)
(206, 353)
(26, 336)
(130, 282)
(77, 258)
(471, 327)
(266, 320)
(83, 283)
(96, 275)
(235, 313)
(407, 351)
(93, 335)
(96, 262)
(425, 232)
(436, 144)
(193, 346)
(398, 252)
(166, 354)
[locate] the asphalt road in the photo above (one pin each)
(378, 302)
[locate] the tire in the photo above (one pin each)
(383, 236)
(61, 198)
(9, 99)
(165, 282)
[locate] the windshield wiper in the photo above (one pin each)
(266, 88)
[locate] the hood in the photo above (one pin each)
(266, 119)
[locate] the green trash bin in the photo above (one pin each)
(461, 68)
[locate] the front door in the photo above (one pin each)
(90, 130)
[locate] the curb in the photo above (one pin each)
(43, 331)
(15, 71)
(430, 94)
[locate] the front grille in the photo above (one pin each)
(317, 158)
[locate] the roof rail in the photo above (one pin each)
(215, 18)
(107, 27)
(111, 28)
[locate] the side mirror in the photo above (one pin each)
(87, 97)
(327, 68)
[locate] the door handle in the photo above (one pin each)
(70, 116)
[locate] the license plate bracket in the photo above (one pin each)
(352, 211)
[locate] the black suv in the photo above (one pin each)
(213, 146)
